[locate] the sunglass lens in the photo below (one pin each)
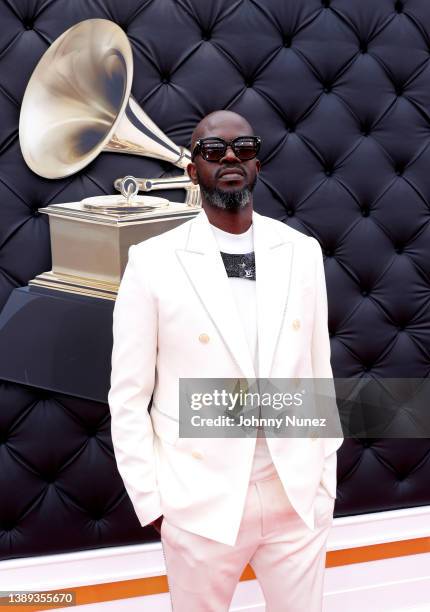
(246, 149)
(213, 151)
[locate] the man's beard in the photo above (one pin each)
(228, 200)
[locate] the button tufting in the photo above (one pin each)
(278, 112)
(364, 293)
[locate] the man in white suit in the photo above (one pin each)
(230, 294)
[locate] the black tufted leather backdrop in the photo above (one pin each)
(339, 90)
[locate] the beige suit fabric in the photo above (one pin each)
(287, 557)
(174, 292)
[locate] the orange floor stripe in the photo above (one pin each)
(158, 584)
(375, 552)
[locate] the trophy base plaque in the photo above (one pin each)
(73, 284)
(90, 247)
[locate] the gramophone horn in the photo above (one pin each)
(78, 104)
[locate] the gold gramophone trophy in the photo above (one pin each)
(78, 104)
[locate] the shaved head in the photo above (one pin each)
(209, 124)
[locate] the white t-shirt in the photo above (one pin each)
(244, 292)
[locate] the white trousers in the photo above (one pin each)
(287, 557)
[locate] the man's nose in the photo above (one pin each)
(229, 155)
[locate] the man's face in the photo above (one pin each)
(228, 183)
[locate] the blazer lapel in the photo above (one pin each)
(204, 267)
(273, 261)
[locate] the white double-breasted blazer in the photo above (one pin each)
(175, 292)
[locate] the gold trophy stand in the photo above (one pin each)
(90, 247)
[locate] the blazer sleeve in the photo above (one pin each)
(321, 350)
(321, 353)
(135, 324)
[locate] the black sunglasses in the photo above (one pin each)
(213, 149)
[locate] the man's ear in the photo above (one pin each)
(258, 166)
(192, 173)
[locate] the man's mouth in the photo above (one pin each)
(231, 174)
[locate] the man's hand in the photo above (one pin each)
(157, 523)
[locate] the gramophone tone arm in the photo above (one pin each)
(144, 184)
(129, 186)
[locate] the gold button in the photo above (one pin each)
(296, 324)
(197, 455)
(204, 338)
